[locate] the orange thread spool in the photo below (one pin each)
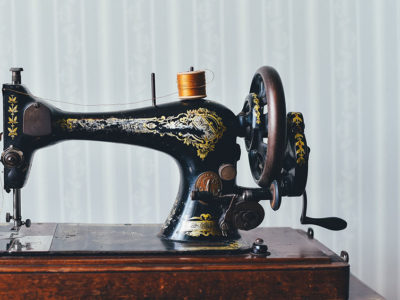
(192, 85)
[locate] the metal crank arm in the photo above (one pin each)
(331, 223)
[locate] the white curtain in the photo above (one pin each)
(339, 62)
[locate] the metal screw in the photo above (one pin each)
(310, 233)
(259, 241)
(259, 248)
(345, 256)
(8, 217)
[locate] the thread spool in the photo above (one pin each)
(192, 85)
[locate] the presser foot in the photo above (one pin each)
(18, 222)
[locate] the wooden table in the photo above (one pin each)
(119, 261)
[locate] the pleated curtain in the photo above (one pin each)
(339, 61)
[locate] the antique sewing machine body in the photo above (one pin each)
(206, 247)
(201, 136)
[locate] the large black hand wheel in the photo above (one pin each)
(264, 116)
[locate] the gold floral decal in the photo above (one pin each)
(297, 119)
(12, 119)
(256, 108)
(200, 128)
(300, 149)
(203, 217)
(204, 225)
(299, 137)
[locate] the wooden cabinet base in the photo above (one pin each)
(298, 267)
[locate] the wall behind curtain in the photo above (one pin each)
(339, 62)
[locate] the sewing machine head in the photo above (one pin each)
(200, 134)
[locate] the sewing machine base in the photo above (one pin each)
(102, 239)
(97, 262)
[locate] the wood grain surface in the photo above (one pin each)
(298, 268)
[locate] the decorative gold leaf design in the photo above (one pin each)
(12, 99)
(204, 225)
(257, 108)
(67, 124)
(202, 119)
(199, 128)
(300, 149)
(297, 119)
(12, 132)
(203, 217)
(227, 246)
(12, 109)
(12, 120)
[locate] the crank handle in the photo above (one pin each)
(331, 223)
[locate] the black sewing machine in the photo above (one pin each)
(200, 135)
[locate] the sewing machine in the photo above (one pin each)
(211, 213)
(200, 135)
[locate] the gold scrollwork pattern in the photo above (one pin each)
(199, 128)
(204, 225)
(256, 102)
(12, 119)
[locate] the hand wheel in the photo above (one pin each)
(266, 95)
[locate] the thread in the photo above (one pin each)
(127, 103)
(88, 105)
(192, 85)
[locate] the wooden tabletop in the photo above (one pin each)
(119, 261)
